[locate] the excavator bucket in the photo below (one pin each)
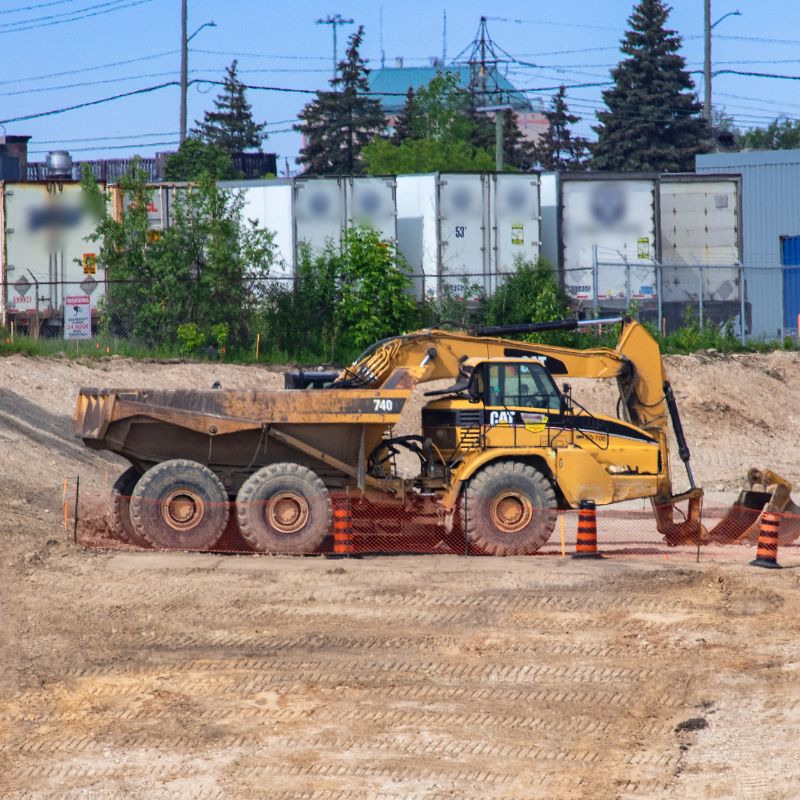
(762, 491)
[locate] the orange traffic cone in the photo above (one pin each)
(767, 552)
(586, 544)
(342, 533)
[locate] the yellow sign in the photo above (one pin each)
(90, 263)
(153, 236)
(534, 423)
(643, 247)
(517, 234)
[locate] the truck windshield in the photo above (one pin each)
(519, 384)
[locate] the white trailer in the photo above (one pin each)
(454, 228)
(45, 254)
(608, 238)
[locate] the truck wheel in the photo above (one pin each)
(284, 508)
(510, 509)
(119, 511)
(179, 504)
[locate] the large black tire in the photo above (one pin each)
(179, 504)
(119, 509)
(284, 508)
(509, 509)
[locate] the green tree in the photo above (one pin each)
(425, 155)
(373, 301)
(337, 124)
(206, 270)
(652, 121)
(404, 126)
(558, 149)
(195, 159)
(231, 125)
(780, 134)
(440, 134)
(531, 294)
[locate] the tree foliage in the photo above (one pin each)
(438, 134)
(652, 121)
(196, 159)
(204, 270)
(531, 294)
(231, 126)
(338, 123)
(558, 148)
(780, 134)
(343, 299)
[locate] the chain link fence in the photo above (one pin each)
(753, 304)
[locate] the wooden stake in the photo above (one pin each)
(563, 545)
(258, 344)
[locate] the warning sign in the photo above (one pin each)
(78, 317)
(643, 248)
(517, 234)
(90, 263)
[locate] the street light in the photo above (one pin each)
(709, 26)
(185, 63)
(498, 132)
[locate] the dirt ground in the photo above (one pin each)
(153, 675)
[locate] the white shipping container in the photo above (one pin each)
(700, 226)
(617, 217)
(372, 202)
(46, 228)
(319, 212)
(548, 192)
(515, 228)
(418, 230)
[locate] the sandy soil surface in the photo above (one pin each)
(153, 675)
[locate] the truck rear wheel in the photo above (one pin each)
(119, 512)
(284, 508)
(509, 509)
(179, 504)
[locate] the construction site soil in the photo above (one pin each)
(174, 675)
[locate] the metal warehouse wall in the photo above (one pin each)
(770, 210)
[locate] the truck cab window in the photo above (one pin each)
(526, 385)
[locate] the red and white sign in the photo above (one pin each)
(78, 317)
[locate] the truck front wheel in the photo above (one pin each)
(284, 508)
(179, 504)
(509, 509)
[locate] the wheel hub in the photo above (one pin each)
(182, 509)
(287, 512)
(511, 512)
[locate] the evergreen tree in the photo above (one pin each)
(518, 152)
(231, 125)
(405, 126)
(653, 119)
(557, 148)
(337, 124)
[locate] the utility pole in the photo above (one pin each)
(334, 20)
(499, 114)
(707, 65)
(184, 67)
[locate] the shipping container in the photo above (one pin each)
(549, 193)
(607, 229)
(45, 254)
(454, 228)
(700, 246)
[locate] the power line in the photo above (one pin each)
(548, 22)
(260, 55)
(60, 14)
(114, 147)
(76, 18)
(37, 5)
(89, 69)
(85, 83)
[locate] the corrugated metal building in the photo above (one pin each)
(771, 233)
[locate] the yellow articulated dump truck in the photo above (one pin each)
(504, 432)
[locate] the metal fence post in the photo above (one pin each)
(595, 281)
(700, 296)
(627, 285)
(742, 318)
(659, 298)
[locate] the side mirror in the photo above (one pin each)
(472, 390)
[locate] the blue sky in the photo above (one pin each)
(115, 46)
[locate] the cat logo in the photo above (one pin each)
(534, 423)
(501, 418)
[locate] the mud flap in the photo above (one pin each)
(763, 490)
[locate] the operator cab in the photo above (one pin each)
(490, 392)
